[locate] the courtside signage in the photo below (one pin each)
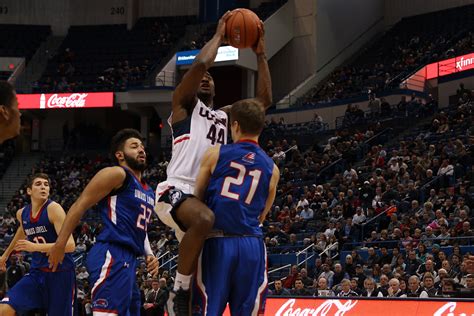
(224, 53)
(355, 307)
(65, 100)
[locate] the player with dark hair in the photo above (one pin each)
(9, 113)
(40, 223)
(238, 182)
(126, 204)
(196, 127)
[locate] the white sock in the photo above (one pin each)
(182, 281)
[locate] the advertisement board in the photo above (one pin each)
(358, 307)
(65, 100)
(450, 66)
(224, 53)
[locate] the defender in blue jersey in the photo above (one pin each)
(238, 182)
(40, 222)
(126, 204)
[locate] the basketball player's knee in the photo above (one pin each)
(205, 220)
(6, 310)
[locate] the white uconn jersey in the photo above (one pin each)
(192, 136)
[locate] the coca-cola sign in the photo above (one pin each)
(66, 100)
(355, 307)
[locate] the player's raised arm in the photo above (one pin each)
(99, 187)
(264, 82)
(271, 192)
(184, 96)
(20, 234)
(56, 216)
(208, 164)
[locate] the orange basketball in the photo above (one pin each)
(242, 28)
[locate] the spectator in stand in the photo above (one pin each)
(291, 278)
(156, 300)
(299, 289)
(414, 289)
(447, 288)
(374, 105)
(307, 213)
(327, 274)
(346, 289)
(339, 275)
(470, 281)
(466, 233)
(307, 281)
(427, 267)
(14, 272)
(323, 289)
(394, 289)
(280, 290)
(370, 290)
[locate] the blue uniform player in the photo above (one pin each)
(40, 223)
(126, 204)
(238, 182)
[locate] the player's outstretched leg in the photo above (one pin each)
(197, 220)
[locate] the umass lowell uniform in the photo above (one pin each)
(192, 137)
(41, 288)
(232, 266)
(112, 261)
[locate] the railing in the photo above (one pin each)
(278, 269)
(363, 225)
(424, 187)
(304, 250)
(163, 255)
(455, 240)
(169, 262)
(165, 79)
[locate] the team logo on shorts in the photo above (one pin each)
(100, 303)
(175, 196)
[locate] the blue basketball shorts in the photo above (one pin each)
(40, 289)
(231, 270)
(113, 281)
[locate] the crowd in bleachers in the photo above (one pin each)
(405, 199)
(110, 57)
(391, 211)
(411, 43)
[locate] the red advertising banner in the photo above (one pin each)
(65, 100)
(449, 66)
(354, 307)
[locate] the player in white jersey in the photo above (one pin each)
(196, 127)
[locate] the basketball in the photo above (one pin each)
(242, 28)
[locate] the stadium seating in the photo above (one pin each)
(413, 42)
(22, 40)
(110, 57)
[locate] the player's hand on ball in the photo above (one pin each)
(25, 245)
(3, 263)
(259, 48)
(152, 265)
(55, 256)
(220, 31)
